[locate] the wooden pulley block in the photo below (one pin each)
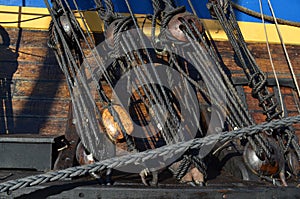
(176, 26)
(263, 166)
(66, 25)
(293, 162)
(111, 124)
(82, 156)
(69, 26)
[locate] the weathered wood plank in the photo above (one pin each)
(40, 108)
(53, 127)
(33, 125)
(41, 89)
(29, 39)
(259, 51)
(40, 95)
(34, 55)
(40, 71)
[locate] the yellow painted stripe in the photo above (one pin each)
(17, 14)
(253, 32)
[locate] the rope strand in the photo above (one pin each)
(139, 158)
(271, 60)
(284, 49)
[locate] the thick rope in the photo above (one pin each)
(266, 17)
(257, 79)
(140, 158)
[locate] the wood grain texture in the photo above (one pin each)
(32, 87)
(35, 96)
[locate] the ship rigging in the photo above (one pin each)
(148, 101)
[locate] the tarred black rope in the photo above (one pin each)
(51, 41)
(169, 14)
(257, 79)
(121, 26)
(183, 167)
(106, 11)
(246, 60)
(200, 165)
(252, 71)
(259, 139)
(169, 4)
(157, 5)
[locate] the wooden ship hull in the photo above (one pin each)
(39, 92)
(36, 102)
(39, 88)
